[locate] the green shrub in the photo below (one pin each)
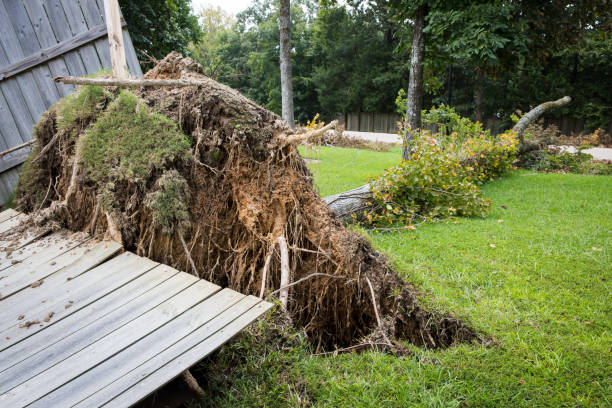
(442, 175)
(431, 184)
(566, 162)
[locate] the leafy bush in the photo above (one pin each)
(441, 177)
(564, 162)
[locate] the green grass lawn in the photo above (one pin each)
(534, 275)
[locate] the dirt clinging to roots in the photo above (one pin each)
(247, 185)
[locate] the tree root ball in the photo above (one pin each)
(203, 179)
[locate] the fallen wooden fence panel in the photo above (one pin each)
(84, 326)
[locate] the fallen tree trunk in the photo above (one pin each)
(350, 205)
(535, 113)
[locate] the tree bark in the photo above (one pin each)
(285, 61)
(535, 113)
(351, 202)
(479, 85)
(414, 100)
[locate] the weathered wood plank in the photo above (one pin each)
(61, 29)
(46, 55)
(60, 283)
(43, 249)
(143, 371)
(27, 83)
(47, 39)
(106, 347)
(13, 159)
(154, 377)
(12, 223)
(94, 19)
(130, 52)
(6, 214)
(140, 352)
(70, 344)
(113, 310)
(9, 132)
(29, 45)
(66, 267)
(79, 26)
(30, 272)
(37, 253)
(62, 307)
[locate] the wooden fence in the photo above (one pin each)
(41, 39)
(369, 122)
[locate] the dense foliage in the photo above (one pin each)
(486, 58)
(442, 175)
(160, 26)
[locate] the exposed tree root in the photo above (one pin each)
(248, 186)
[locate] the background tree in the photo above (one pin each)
(284, 21)
(160, 26)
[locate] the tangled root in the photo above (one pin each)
(248, 186)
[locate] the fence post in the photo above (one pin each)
(115, 38)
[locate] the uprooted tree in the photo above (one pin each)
(203, 179)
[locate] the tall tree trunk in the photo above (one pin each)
(415, 85)
(285, 61)
(479, 86)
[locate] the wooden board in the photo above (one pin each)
(104, 328)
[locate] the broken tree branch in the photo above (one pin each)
(303, 137)
(192, 384)
(535, 113)
(284, 282)
(264, 273)
(312, 275)
(125, 82)
(350, 202)
(21, 146)
(187, 253)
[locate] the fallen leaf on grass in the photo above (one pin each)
(500, 220)
(492, 245)
(596, 249)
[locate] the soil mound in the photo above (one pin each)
(205, 180)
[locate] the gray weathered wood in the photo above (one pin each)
(143, 371)
(12, 223)
(61, 29)
(29, 45)
(6, 214)
(27, 82)
(122, 274)
(65, 282)
(48, 54)
(70, 344)
(106, 347)
(173, 368)
(140, 352)
(43, 249)
(37, 253)
(27, 274)
(78, 26)
(111, 311)
(13, 159)
(47, 39)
